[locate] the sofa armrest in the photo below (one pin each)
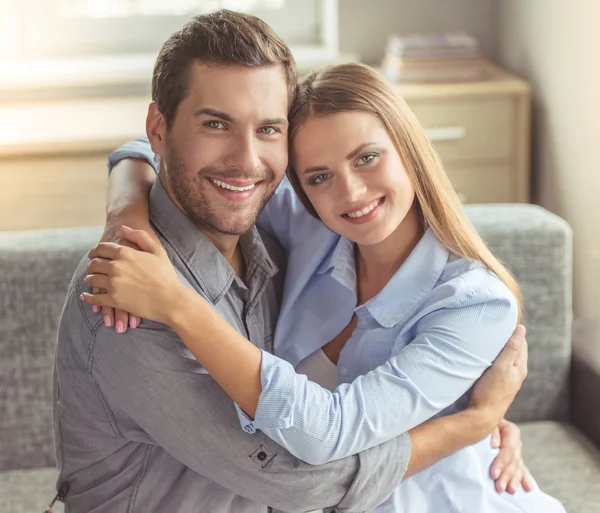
(536, 246)
(585, 378)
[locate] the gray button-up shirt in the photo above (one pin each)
(140, 426)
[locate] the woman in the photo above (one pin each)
(390, 294)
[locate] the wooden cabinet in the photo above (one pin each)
(481, 131)
(53, 159)
(53, 154)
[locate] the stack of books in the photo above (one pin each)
(433, 58)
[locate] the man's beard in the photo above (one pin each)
(187, 189)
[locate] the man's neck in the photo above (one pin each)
(227, 245)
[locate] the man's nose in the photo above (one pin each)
(244, 154)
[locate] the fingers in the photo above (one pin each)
(507, 475)
(100, 266)
(95, 299)
(108, 250)
(108, 314)
(515, 481)
(495, 438)
(522, 359)
(100, 281)
(501, 463)
(121, 320)
(142, 239)
(527, 481)
(134, 321)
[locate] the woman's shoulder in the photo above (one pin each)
(465, 281)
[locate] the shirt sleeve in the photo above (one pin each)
(136, 149)
(155, 391)
(451, 348)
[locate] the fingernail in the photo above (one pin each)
(95, 308)
(120, 327)
(81, 297)
(521, 330)
(107, 321)
(123, 227)
(496, 473)
(132, 322)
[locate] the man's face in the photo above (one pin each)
(227, 149)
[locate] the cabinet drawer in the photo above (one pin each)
(468, 128)
(488, 183)
(52, 192)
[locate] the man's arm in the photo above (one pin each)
(148, 376)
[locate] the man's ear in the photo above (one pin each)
(156, 129)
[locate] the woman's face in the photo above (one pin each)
(353, 176)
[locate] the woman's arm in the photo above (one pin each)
(132, 171)
(166, 300)
(453, 346)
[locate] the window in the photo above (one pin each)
(34, 29)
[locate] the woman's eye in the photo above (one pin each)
(319, 179)
(268, 130)
(214, 124)
(365, 159)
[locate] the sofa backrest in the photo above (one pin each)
(537, 247)
(36, 268)
(35, 271)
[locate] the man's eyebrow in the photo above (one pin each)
(214, 113)
(274, 121)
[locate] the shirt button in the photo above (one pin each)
(262, 456)
(343, 371)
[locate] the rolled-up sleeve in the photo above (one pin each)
(147, 377)
(135, 149)
(452, 347)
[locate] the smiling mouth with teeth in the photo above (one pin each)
(229, 187)
(367, 210)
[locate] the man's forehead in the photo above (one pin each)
(239, 88)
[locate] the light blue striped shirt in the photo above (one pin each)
(419, 346)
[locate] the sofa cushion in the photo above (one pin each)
(35, 271)
(28, 491)
(565, 464)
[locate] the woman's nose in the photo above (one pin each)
(353, 188)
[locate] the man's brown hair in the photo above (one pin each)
(223, 38)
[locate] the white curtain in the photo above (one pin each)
(124, 8)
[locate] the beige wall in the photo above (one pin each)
(554, 44)
(366, 24)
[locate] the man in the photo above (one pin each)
(139, 424)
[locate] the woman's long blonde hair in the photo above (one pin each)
(358, 88)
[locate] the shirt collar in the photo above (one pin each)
(205, 262)
(411, 283)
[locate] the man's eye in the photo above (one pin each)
(214, 124)
(268, 130)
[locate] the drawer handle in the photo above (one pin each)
(446, 133)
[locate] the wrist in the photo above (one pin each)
(180, 306)
(480, 421)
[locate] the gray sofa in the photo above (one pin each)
(557, 408)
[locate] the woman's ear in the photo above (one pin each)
(156, 129)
